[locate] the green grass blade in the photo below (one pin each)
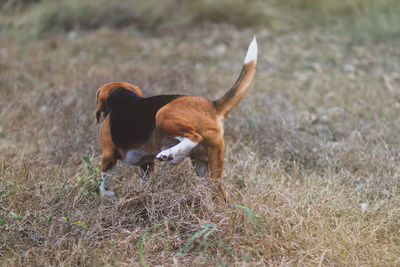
(253, 219)
(16, 216)
(140, 246)
(196, 235)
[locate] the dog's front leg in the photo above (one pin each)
(106, 183)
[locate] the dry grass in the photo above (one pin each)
(312, 158)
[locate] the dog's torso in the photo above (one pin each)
(132, 121)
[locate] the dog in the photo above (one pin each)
(139, 130)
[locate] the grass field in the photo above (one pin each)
(312, 151)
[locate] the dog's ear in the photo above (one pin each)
(98, 114)
(98, 110)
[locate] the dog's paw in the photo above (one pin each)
(162, 156)
(107, 194)
(168, 155)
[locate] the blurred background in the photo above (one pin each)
(313, 149)
(358, 19)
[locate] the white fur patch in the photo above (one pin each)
(251, 54)
(106, 183)
(135, 156)
(179, 151)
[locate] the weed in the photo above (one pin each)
(140, 249)
(81, 224)
(49, 218)
(3, 220)
(16, 216)
(205, 230)
(88, 180)
(65, 217)
(255, 220)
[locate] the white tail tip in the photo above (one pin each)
(251, 54)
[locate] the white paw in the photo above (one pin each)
(177, 152)
(107, 194)
(168, 155)
(165, 155)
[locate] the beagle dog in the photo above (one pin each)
(140, 130)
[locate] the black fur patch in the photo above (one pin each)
(133, 118)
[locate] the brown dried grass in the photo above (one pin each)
(315, 143)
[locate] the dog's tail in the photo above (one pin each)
(231, 98)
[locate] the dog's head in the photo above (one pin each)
(104, 91)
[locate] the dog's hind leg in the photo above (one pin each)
(177, 152)
(199, 166)
(216, 163)
(199, 159)
(182, 132)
